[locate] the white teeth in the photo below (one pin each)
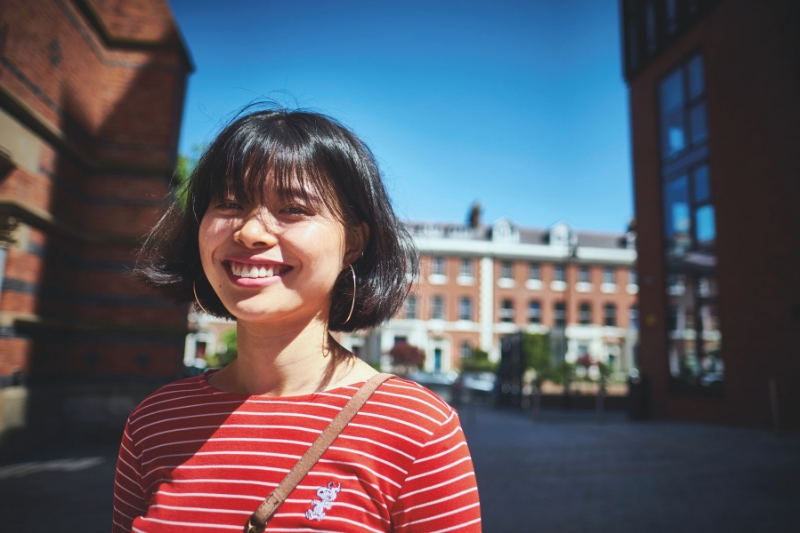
(242, 270)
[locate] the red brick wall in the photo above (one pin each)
(752, 73)
(101, 84)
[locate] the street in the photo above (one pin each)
(566, 473)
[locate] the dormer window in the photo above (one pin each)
(504, 231)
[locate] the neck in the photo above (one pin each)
(281, 360)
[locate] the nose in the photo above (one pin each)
(257, 231)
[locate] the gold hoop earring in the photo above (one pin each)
(196, 299)
(353, 303)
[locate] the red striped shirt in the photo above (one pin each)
(202, 460)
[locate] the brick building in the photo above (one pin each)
(478, 283)
(91, 101)
(715, 105)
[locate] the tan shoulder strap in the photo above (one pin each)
(258, 520)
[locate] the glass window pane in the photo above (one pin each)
(695, 71)
(676, 207)
(697, 123)
(535, 312)
(411, 307)
(706, 231)
(465, 309)
(466, 267)
(702, 187)
(672, 126)
(505, 270)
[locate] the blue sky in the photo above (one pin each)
(520, 105)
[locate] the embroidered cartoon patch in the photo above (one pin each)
(326, 496)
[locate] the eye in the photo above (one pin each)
(229, 205)
(296, 210)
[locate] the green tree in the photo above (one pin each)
(536, 352)
(228, 354)
(478, 361)
(184, 167)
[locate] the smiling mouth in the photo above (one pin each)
(244, 270)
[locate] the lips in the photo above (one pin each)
(248, 270)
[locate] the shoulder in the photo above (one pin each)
(408, 401)
(178, 393)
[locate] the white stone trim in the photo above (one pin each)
(520, 251)
(533, 284)
(608, 288)
(583, 286)
(506, 283)
(437, 279)
(486, 303)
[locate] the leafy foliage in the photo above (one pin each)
(184, 167)
(224, 358)
(478, 362)
(407, 355)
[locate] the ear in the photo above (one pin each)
(356, 239)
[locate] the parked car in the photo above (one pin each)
(440, 383)
(475, 388)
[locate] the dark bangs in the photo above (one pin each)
(273, 156)
(267, 159)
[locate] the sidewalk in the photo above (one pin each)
(570, 473)
(565, 474)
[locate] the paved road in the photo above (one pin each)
(572, 474)
(566, 473)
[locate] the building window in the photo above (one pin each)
(466, 350)
(585, 314)
(559, 273)
(560, 315)
(437, 266)
(682, 109)
(650, 25)
(466, 268)
(534, 272)
(411, 307)
(583, 274)
(608, 276)
(437, 308)
(506, 270)
(671, 8)
(633, 277)
(694, 338)
(507, 311)
(465, 308)
(633, 317)
(535, 312)
(610, 315)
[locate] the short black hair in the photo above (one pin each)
(270, 152)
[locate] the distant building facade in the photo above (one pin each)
(715, 106)
(91, 101)
(478, 283)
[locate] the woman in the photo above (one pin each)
(288, 230)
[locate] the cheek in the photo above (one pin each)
(210, 235)
(326, 241)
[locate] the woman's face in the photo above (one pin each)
(275, 262)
